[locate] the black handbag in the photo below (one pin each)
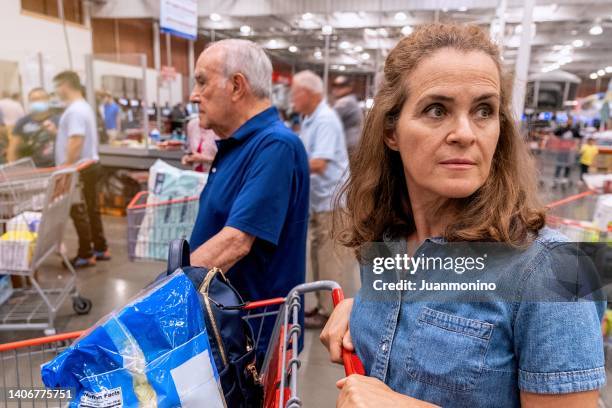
(231, 337)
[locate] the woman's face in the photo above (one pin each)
(449, 125)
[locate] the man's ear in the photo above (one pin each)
(238, 85)
(391, 140)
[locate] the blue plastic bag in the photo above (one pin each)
(152, 353)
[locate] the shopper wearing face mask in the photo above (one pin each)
(30, 135)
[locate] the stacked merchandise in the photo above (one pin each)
(17, 243)
(170, 209)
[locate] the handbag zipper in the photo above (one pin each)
(204, 291)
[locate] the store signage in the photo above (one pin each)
(179, 17)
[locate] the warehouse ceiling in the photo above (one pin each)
(363, 31)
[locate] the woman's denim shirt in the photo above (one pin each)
(483, 353)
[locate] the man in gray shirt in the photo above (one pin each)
(323, 137)
(77, 140)
(347, 107)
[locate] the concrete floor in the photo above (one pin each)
(111, 284)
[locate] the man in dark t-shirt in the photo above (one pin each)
(31, 138)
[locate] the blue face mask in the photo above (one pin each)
(39, 107)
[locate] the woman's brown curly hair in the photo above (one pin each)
(375, 197)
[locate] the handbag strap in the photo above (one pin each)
(178, 255)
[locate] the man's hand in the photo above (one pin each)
(336, 333)
(357, 391)
(318, 166)
(50, 127)
(194, 158)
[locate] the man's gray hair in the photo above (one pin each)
(309, 80)
(249, 59)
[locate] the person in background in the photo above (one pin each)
(11, 111)
(323, 137)
(201, 146)
(177, 117)
(112, 120)
(77, 140)
(569, 135)
(588, 152)
(347, 107)
(253, 213)
(30, 135)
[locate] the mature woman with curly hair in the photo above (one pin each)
(441, 162)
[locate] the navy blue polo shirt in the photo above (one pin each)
(259, 184)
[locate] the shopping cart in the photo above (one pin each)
(20, 361)
(153, 222)
(576, 223)
(35, 205)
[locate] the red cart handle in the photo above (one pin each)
(352, 364)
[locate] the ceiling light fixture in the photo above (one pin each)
(245, 29)
(344, 45)
(365, 56)
(462, 9)
(593, 75)
(601, 72)
(608, 69)
(215, 17)
(307, 16)
(327, 29)
(577, 43)
(358, 48)
(341, 68)
(400, 16)
(406, 30)
(596, 30)
(293, 49)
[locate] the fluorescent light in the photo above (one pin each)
(577, 43)
(293, 49)
(358, 48)
(318, 54)
(307, 16)
(596, 30)
(566, 51)
(400, 16)
(245, 29)
(273, 43)
(327, 29)
(344, 45)
(341, 67)
(406, 30)
(382, 32)
(593, 75)
(365, 56)
(462, 9)
(608, 69)
(601, 72)
(215, 17)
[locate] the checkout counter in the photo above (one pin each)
(116, 157)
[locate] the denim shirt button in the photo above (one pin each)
(384, 347)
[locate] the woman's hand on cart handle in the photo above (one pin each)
(358, 391)
(336, 334)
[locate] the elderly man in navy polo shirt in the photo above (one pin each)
(253, 215)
